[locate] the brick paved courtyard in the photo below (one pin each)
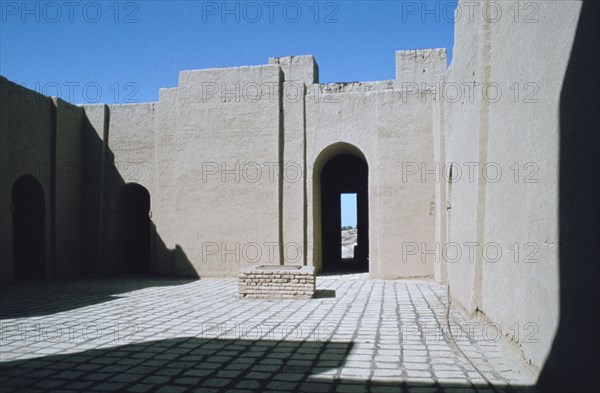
(167, 335)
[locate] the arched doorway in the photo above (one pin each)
(344, 173)
(130, 228)
(28, 228)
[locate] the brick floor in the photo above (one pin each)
(167, 335)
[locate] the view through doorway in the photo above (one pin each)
(348, 226)
(344, 214)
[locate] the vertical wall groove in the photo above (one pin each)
(281, 167)
(304, 185)
(105, 257)
(484, 127)
(53, 146)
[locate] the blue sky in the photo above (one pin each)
(348, 202)
(125, 51)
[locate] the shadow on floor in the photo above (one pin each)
(37, 298)
(324, 294)
(205, 365)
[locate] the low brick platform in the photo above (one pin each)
(277, 282)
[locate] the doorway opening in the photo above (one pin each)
(344, 203)
(28, 228)
(131, 230)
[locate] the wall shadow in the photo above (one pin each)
(46, 297)
(131, 230)
(574, 358)
(29, 228)
(118, 231)
(117, 239)
(211, 365)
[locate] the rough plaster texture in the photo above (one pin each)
(231, 159)
(256, 135)
(391, 129)
(221, 234)
(529, 210)
(441, 203)
(466, 126)
(519, 211)
(420, 66)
